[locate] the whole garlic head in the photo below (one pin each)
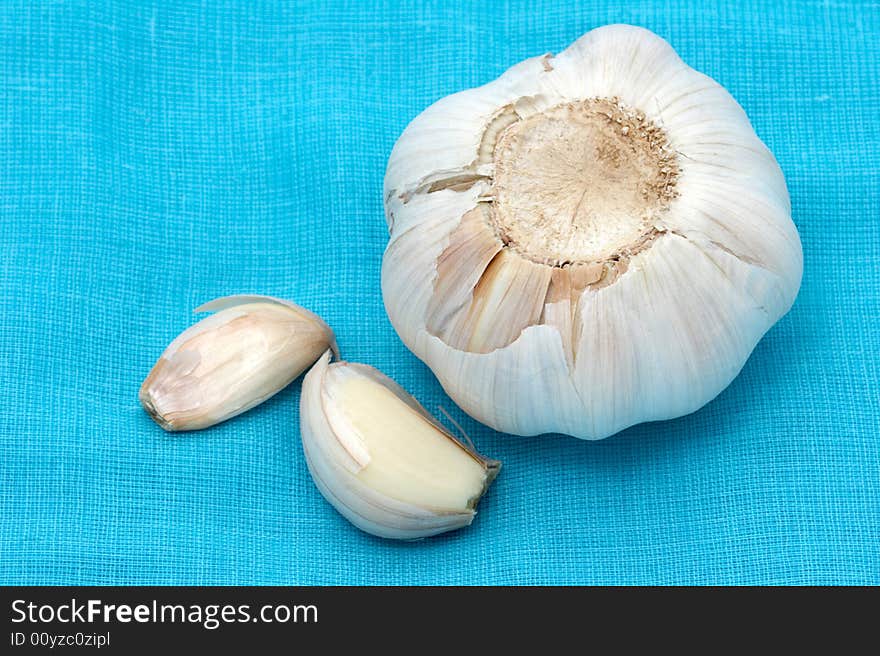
(593, 240)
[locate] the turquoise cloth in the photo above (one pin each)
(157, 155)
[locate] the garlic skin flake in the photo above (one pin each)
(381, 460)
(593, 240)
(252, 348)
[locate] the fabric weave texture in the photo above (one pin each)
(156, 155)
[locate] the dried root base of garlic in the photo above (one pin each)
(252, 348)
(593, 240)
(381, 460)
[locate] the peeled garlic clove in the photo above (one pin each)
(593, 240)
(381, 460)
(231, 361)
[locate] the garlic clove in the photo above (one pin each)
(593, 240)
(227, 363)
(471, 249)
(381, 460)
(720, 213)
(508, 298)
(678, 350)
(516, 389)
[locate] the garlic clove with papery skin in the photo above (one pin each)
(593, 240)
(381, 460)
(227, 363)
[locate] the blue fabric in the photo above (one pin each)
(156, 155)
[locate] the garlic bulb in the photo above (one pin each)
(592, 240)
(231, 361)
(381, 460)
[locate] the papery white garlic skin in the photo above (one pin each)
(227, 363)
(381, 460)
(593, 240)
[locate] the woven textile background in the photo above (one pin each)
(156, 155)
